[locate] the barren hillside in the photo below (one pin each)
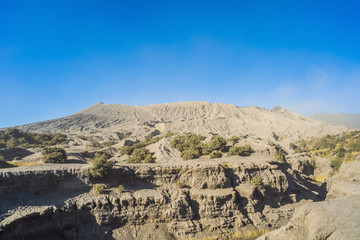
(198, 117)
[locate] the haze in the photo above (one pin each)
(58, 57)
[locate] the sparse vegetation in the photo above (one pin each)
(54, 155)
(188, 142)
(141, 155)
(233, 140)
(217, 144)
(280, 153)
(137, 151)
(215, 154)
(101, 167)
(181, 184)
(257, 181)
(107, 144)
(120, 189)
(225, 165)
(190, 154)
(240, 151)
(126, 150)
(85, 138)
(13, 137)
(335, 163)
(191, 146)
(98, 188)
(337, 148)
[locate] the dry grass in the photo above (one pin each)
(320, 178)
(22, 164)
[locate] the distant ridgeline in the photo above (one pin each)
(13, 137)
(338, 148)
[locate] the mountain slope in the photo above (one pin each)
(198, 117)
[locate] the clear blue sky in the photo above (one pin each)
(58, 57)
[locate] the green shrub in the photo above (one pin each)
(190, 146)
(341, 152)
(215, 154)
(240, 151)
(149, 159)
(205, 149)
(140, 155)
(48, 139)
(280, 154)
(126, 150)
(257, 181)
(342, 146)
(14, 137)
(190, 154)
(54, 155)
(335, 163)
(107, 144)
(101, 167)
(189, 141)
(57, 138)
(181, 184)
(233, 140)
(120, 189)
(98, 188)
(217, 144)
(225, 165)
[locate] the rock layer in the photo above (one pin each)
(196, 199)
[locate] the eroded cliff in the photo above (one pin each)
(242, 197)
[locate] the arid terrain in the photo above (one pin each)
(190, 170)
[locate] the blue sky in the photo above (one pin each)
(58, 57)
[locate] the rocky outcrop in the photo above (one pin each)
(335, 218)
(204, 198)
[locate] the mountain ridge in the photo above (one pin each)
(197, 117)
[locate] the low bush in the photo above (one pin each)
(191, 146)
(217, 144)
(129, 150)
(181, 185)
(13, 137)
(190, 154)
(98, 188)
(215, 154)
(240, 151)
(188, 141)
(141, 155)
(280, 154)
(233, 140)
(54, 155)
(335, 163)
(107, 144)
(126, 150)
(101, 167)
(257, 181)
(225, 165)
(120, 189)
